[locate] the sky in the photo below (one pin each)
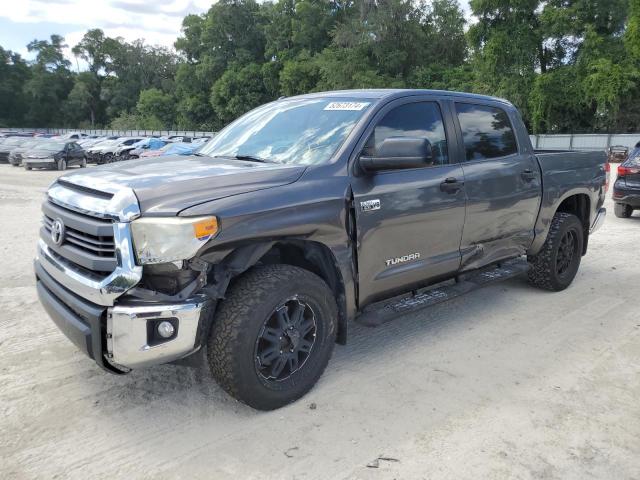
(156, 21)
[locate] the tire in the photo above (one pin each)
(622, 210)
(62, 165)
(83, 163)
(27, 167)
(557, 263)
(243, 329)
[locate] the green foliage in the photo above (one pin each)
(569, 65)
(157, 106)
(237, 91)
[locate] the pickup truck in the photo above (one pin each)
(300, 217)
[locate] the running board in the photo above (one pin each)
(386, 310)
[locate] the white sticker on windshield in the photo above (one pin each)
(352, 106)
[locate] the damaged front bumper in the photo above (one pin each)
(99, 313)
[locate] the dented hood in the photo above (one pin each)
(167, 185)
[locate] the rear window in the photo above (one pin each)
(486, 131)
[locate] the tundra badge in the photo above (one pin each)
(402, 259)
(370, 205)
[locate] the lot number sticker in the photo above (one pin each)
(351, 106)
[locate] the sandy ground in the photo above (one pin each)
(507, 382)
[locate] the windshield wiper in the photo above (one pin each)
(252, 158)
(248, 158)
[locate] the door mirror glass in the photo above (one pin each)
(398, 153)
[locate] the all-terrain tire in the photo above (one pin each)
(544, 266)
(622, 210)
(240, 320)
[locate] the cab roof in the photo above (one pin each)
(391, 93)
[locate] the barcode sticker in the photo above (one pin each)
(351, 106)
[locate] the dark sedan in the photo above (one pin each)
(626, 190)
(55, 154)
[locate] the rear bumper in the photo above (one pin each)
(628, 197)
(597, 223)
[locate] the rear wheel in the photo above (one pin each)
(622, 210)
(273, 335)
(557, 263)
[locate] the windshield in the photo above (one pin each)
(303, 131)
(11, 141)
(50, 146)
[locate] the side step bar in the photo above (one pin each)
(386, 310)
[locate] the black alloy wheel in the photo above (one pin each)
(285, 341)
(566, 252)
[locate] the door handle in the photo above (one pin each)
(451, 185)
(528, 175)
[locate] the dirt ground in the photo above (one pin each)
(507, 382)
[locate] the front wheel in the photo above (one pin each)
(622, 210)
(83, 162)
(556, 265)
(273, 335)
(62, 164)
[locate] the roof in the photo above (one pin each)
(389, 93)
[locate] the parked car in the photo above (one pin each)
(146, 145)
(15, 156)
(55, 154)
(176, 138)
(626, 189)
(11, 143)
(338, 206)
(177, 148)
(107, 153)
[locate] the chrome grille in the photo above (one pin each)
(101, 246)
(88, 242)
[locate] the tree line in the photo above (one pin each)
(568, 65)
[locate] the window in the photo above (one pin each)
(422, 120)
(486, 131)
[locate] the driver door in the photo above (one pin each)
(409, 221)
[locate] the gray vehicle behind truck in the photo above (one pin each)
(300, 217)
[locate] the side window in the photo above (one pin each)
(423, 120)
(486, 131)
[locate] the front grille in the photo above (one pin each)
(88, 242)
(96, 245)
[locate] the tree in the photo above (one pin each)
(82, 103)
(155, 104)
(14, 73)
(237, 91)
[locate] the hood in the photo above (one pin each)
(169, 184)
(40, 154)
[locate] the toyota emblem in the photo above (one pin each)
(57, 231)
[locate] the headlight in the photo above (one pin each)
(163, 240)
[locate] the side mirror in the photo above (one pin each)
(399, 153)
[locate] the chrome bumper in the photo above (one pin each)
(597, 223)
(130, 332)
(102, 291)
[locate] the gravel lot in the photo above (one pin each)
(507, 382)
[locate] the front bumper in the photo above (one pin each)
(94, 311)
(39, 163)
(122, 337)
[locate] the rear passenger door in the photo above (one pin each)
(502, 185)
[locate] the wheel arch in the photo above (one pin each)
(312, 256)
(578, 204)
